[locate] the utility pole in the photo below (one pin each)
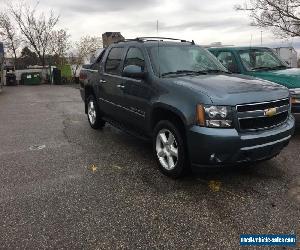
(1, 66)
(261, 37)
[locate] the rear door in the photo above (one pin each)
(110, 80)
(93, 71)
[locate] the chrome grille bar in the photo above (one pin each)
(261, 113)
(254, 116)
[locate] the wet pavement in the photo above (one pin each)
(64, 185)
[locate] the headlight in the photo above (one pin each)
(214, 116)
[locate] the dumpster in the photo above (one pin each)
(31, 78)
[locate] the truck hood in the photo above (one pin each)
(289, 78)
(233, 89)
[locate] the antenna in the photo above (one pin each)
(251, 40)
(158, 58)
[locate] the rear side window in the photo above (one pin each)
(96, 64)
(135, 57)
(113, 62)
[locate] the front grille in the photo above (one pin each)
(254, 117)
(262, 106)
(263, 122)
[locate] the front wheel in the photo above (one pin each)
(93, 113)
(169, 149)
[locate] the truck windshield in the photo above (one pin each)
(170, 60)
(261, 59)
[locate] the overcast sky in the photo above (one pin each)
(203, 21)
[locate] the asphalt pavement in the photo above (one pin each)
(66, 186)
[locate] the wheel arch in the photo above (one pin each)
(165, 112)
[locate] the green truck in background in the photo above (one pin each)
(261, 62)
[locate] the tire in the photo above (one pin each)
(168, 140)
(93, 113)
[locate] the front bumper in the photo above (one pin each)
(214, 146)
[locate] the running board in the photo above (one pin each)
(126, 130)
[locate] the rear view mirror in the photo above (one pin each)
(133, 71)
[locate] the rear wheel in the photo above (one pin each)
(93, 113)
(169, 149)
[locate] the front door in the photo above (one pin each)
(136, 92)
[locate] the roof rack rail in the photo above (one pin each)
(154, 38)
(128, 40)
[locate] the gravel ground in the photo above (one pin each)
(64, 185)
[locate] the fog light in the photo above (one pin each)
(219, 123)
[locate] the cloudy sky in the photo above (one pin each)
(203, 21)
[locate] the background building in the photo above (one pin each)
(111, 37)
(288, 54)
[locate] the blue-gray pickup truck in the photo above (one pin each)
(185, 101)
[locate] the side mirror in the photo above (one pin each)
(133, 71)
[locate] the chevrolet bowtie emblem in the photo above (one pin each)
(270, 112)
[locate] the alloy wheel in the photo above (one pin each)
(167, 149)
(92, 112)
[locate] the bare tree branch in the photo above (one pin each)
(281, 16)
(9, 34)
(35, 27)
(59, 44)
(84, 49)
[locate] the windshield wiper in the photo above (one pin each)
(270, 68)
(179, 72)
(262, 67)
(216, 71)
(280, 67)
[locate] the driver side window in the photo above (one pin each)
(135, 57)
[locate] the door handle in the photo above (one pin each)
(102, 81)
(120, 86)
